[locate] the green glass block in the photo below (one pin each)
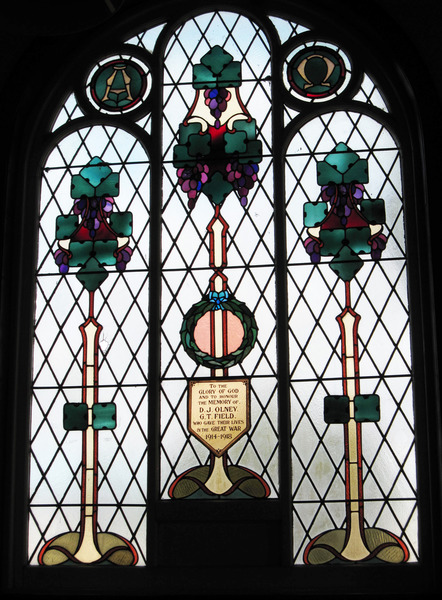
(373, 211)
(65, 226)
(367, 408)
(357, 239)
(81, 187)
(216, 59)
(316, 69)
(332, 240)
(342, 165)
(199, 144)
(341, 158)
(253, 152)
(181, 156)
(314, 214)
(104, 416)
(231, 75)
(81, 253)
(185, 131)
(358, 172)
(327, 174)
(346, 264)
(75, 416)
(96, 179)
(336, 409)
(92, 275)
(249, 127)
(217, 189)
(109, 187)
(118, 81)
(104, 251)
(203, 77)
(121, 223)
(96, 171)
(235, 142)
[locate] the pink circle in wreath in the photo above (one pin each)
(235, 332)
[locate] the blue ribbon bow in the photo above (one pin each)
(218, 298)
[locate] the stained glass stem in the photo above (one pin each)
(218, 481)
(355, 542)
(90, 331)
(355, 547)
(88, 546)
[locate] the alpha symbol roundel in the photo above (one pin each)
(119, 85)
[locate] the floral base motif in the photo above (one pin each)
(111, 548)
(381, 546)
(245, 483)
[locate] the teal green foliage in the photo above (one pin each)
(65, 226)
(242, 141)
(336, 409)
(218, 69)
(367, 408)
(346, 264)
(104, 416)
(332, 241)
(75, 416)
(96, 179)
(355, 238)
(314, 214)
(217, 188)
(121, 224)
(92, 275)
(342, 166)
(373, 210)
(93, 230)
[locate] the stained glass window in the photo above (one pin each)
(222, 321)
(243, 273)
(91, 337)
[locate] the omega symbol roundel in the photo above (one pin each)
(316, 72)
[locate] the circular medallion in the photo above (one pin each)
(240, 323)
(119, 85)
(316, 72)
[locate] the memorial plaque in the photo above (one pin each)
(219, 411)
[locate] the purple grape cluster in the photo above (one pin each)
(378, 245)
(62, 260)
(312, 248)
(123, 257)
(191, 180)
(242, 176)
(343, 198)
(92, 212)
(216, 99)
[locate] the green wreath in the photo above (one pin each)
(218, 301)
